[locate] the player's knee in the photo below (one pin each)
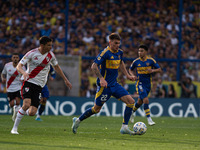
(25, 106)
(32, 113)
(96, 110)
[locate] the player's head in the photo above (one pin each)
(15, 58)
(142, 52)
(114, 41)
(144, 47)
(45, 43)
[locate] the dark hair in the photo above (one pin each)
(44, 40)
(15, 54)
(144, 47)
(114, 36)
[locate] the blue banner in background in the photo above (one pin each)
(68, 106)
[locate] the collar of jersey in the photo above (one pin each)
(108, 47)
(144, 59)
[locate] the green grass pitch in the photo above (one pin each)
(99, 133)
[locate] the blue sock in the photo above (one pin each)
(89, 112)
(136, 107)
(147, 110)
(127, 114)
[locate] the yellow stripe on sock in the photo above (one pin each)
(147, 113)
(93, 110)
(130, 105)
(146, 110)
(134, 108)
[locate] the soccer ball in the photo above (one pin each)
(140, 128)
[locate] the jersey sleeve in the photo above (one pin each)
(54, 61)
(132, 67)
(155, 65)
(100, 58)
(52, 72)
(26, 58)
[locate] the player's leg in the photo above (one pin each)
(102, 95)
(135, 107)
(127, 114)
(120, 93)
(41, 108)
(20, 114)
(89, 112)
(45, 96)
(11, 100)
(147, 111)
(16, 106)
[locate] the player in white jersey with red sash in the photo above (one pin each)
(11, 77)
(38, 64)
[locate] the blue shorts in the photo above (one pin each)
(45, 92)
(103, 94)
(142, 90)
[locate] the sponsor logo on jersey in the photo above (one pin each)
(111, 57)
(36, 58)
(147, 64)
(99, 58)
(139, 65)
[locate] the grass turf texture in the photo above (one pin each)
(98, 133)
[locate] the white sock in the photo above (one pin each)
(20, 115)
(124, 125)
(38, 116)
(149, 119)
(17, 107)
(27, 112)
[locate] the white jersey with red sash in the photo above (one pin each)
(38, 66)
(13, 82)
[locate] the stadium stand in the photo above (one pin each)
(152, 22)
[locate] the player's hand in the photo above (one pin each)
(150, 70)
(4, 80)
(68, 84)
(103, 82)
(51, 78)
(25, 76)
(132, 78)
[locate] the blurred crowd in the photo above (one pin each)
(153, 22)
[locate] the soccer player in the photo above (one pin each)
(38, 63)
(106, 67)
(145, 67)
(45, 95)
(11, 77)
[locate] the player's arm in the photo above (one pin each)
(3, 78)
(124, 71)
(60, 72)
(158, 70)
(52, 73)
(20, 68)
(96, 70)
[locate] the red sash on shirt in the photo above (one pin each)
(12, 78)
(41, 66)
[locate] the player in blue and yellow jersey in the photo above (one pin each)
(144, 66)
(106, 67)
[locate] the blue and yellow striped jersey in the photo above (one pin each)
(142, 67)
(109, 63)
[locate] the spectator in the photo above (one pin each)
(188, 89)
(171, 91)
(92, 91)
(161, 91)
